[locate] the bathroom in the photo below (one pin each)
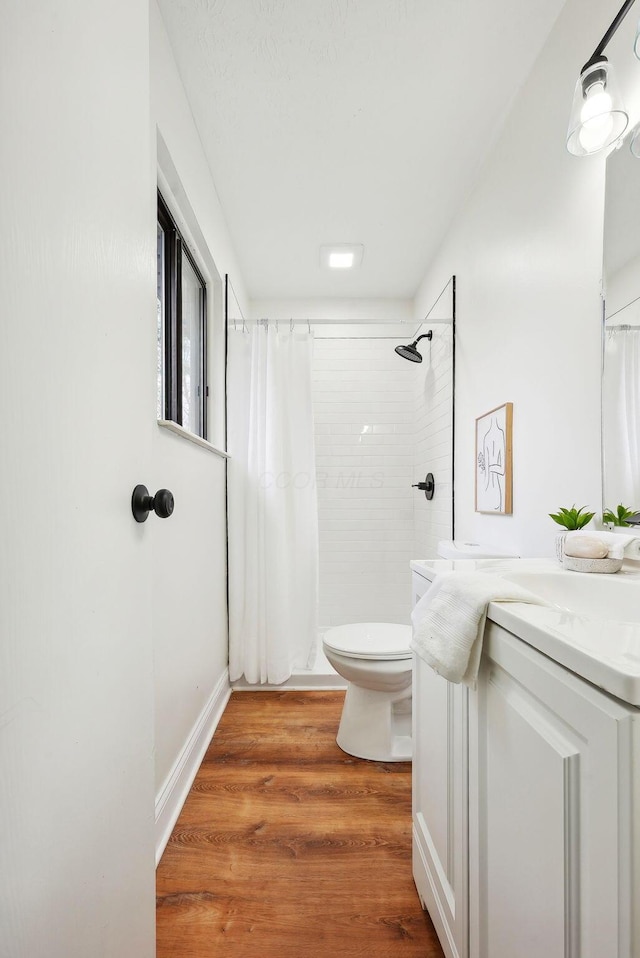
(379, 425)
(93, 606)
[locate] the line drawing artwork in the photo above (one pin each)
(493, 461)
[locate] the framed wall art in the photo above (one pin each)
(494, 468)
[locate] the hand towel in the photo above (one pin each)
(449, 620)
(619, 544)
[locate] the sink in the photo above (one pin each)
(590, 625)
(610, 598)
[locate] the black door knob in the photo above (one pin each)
(428, 486)
(142, 503)
(163, 503)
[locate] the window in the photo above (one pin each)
(182, 330)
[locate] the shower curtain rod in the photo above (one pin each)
(326, 321)
(418, 323)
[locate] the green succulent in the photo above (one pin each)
(619, 517)
(572, 518)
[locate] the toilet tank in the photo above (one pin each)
(459, 549)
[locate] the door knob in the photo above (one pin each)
(142, 503)
(428, 486)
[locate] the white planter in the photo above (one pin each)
(559, 544)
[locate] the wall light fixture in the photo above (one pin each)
(598, 117)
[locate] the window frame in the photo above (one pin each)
(175, 249)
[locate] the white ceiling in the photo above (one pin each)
(348, 121)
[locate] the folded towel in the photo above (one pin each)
(619, 544)
(448, 621)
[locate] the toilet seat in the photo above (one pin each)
(382, 641)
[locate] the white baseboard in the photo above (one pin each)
(173, 794)
(298, 682)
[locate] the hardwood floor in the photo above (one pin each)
(288, 847)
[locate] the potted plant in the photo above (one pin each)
(619, 517)
(571, 519)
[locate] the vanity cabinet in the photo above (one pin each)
(440, 806)
(550, 810)
(524, 798)
(440, 799)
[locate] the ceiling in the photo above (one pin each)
(348, 121)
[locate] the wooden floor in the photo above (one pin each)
(288, 847)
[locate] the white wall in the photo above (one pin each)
(363, 403)
(527, 252)
(189, 581)
(341, 310)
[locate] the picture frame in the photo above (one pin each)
(494, 463)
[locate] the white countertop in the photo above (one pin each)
(596, 645)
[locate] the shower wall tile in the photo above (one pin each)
(433, 447)
(380, 425)
(364, 409)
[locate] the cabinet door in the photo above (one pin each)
(440, 829)
(549, 757)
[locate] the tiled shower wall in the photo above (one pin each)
(363, 396)
(373, 438)
(433, 440)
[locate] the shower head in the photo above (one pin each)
(411, 352)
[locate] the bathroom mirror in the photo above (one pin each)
(621, 333)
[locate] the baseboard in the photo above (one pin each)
(173, 794)
(298, 682)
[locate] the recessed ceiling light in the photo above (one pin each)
(340, 260)
(341, 255)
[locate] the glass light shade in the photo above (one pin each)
(598, 117)
(636, 42)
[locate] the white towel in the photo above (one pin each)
(448, 621)
(619, 544)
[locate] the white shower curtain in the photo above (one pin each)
(273, 514)
(621, 417)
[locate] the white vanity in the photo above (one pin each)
(527, 789)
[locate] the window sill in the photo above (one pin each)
(191, 436)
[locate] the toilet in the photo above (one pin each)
(375, 659)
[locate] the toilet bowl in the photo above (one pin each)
(375, 659)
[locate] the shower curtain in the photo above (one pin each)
(273, 514)
(621, 417)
